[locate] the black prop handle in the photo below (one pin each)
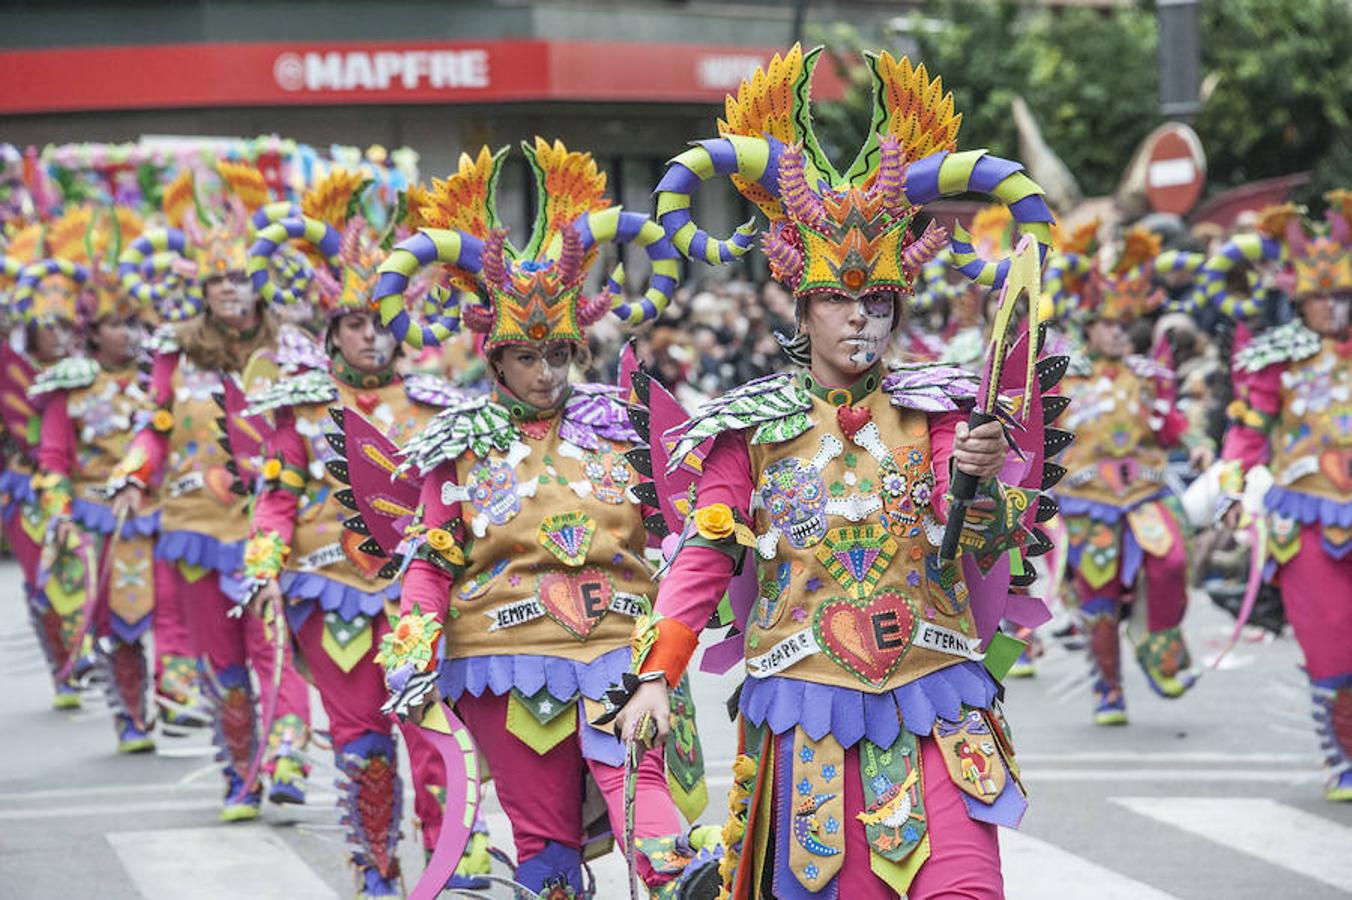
(963, 490)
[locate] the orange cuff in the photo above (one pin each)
(672, 650)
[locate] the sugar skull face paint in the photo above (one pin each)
(875, 311)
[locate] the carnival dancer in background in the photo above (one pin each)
(1124, 523)
(873, 760)
(203, 520)
(529, 566)
(300, 558)
(43, 305)
(90, 405)
(1291, 438)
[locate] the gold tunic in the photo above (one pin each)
(852, 588)
(1312, 437)
(555, 549)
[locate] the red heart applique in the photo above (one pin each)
(218, 482)
(536, 429)
(1337, 467)
(866, 638)
(367, 401)
(367, 564)
(853, 418)
(576, 600)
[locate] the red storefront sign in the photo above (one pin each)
(317, 74)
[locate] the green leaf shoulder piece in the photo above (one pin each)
(163, 340)
(776, 406)
(66, 375)
(477, 424)
(307, 389)
(1287, 343)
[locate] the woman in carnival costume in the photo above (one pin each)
(529, 568)
(90, 405)
(1289, 449)
(873, 760)
(1122, 519)
(203, 517)
(46, 334)
(301, 558)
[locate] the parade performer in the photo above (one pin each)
(530, 567)
(90, 405)
(1123, 521)
(203, 520)
(45, 336)
(1291, 428)
(873, 760)
(301, 558)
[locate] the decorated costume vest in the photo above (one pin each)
(554, 541)
(196, 491)
(853, 592)
(103, 413)
(1115, 458)
(320, 543)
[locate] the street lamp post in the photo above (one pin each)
(1180, 58)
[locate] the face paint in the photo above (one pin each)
(385, 346)
(868, 344)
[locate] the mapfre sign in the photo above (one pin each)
(382, 70)
(194, 76)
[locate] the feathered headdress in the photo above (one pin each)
(1082, 289)
(846, 232)
(533, 294)
(201, 242)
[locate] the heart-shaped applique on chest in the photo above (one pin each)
(576, 600)
(867, 638)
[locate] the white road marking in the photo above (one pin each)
(1036, 870)
(1304, 843)
(211, 863)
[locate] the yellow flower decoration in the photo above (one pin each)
(271, 469)
(443, 542)
(163, 420)
(714, 522)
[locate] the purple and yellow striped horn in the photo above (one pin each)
(1244, 248)
(288, 281)
(441, 309)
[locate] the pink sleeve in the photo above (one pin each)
(699, 576)
(276, 507)
(942, 431)
(424, 584)
(153, 443)
(1262, 392)
(56, 447)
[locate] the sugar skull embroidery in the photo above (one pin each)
(796, 500)
(906, 486)
(492, 489)
(609, 474)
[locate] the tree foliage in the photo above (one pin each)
(1277, 78)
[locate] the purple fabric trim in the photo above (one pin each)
(331, 596)
(1335, 551)
(129, 632)
(599, 746)
(200, 550)
(850, 715)
(433, 390)
(564, 678)
(1132, 553)
(1307, 509)
(20, 489)
(592, 411)
(931, 388)
(1007, 810)
(94, 516)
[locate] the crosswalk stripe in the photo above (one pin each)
(212, 863)
(1304, 843)
(1036, 870)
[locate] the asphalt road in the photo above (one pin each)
(1217, 795)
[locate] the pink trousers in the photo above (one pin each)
(352, 701)
(172, 637)
(224, 641)
(25, 551)
(542, 795)
(1317, 593)
(1166, 584)
(964, 860)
